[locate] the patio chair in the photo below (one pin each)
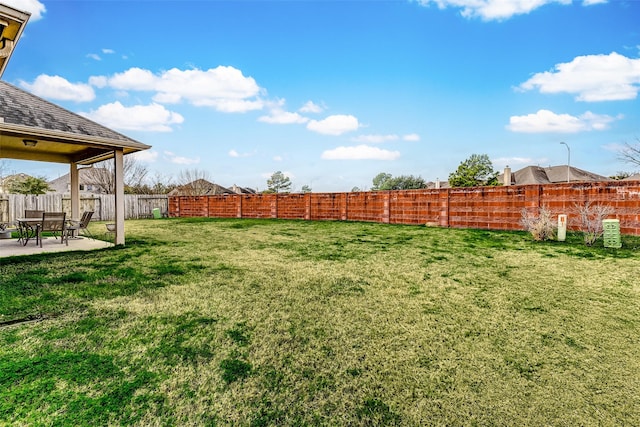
(53, 222)
(80, 226)
(29, 213)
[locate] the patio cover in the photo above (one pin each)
(34, 129)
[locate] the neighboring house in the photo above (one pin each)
(202, 187)
(551, 175)
(635, 177)
(199, 187)
(242, 190)
(87, 178)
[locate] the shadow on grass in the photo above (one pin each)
(46, 285)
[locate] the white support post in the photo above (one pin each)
(75, 190)
(119, 177)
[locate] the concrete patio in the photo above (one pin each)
(11, 247)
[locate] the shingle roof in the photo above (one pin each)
(200, 187)
(551, 174)
(23, 108)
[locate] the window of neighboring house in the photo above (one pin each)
(89, 188)
(81, 187)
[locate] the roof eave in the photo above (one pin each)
(68, 137)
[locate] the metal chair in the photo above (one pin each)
(55, 223)
(29, 213)
(81, 226)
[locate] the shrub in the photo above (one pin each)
(542, 226)
(591, 216)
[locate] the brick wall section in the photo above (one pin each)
(258, 205)
(291, 206)
(497, 208)
(328, 206)
(368, 206)
(415, 207)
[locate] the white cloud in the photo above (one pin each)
(58, 88)
(413, 137)
(108, 51)
(493, 9)
(146, 156)
(281, 117)
(360, 152)
(234, 153)
(548, 121)
(180, 160)
(310, 107)
(375, 139)
(94, 56)
(225, 89)
(98, 81)
(134, 79)
(277, 158)
(379, 139)
(185, 160)
(592, 78)
(334, 125)
(34, 7)
(152, 118)
(488, 10)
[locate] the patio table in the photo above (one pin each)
(27, 229)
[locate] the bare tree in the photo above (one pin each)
(4, 166)
(591, 216)
(631, 153)
(103, 174)
(193, 182)
(160, 184)
(541, 226)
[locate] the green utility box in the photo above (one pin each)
(611, 233)
(156, 213)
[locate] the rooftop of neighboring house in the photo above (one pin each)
(551, 175)
(202, 187)
(86, 179)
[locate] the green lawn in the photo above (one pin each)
(262, 322)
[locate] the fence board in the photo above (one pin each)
(136, 206)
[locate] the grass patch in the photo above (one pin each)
(202, 321)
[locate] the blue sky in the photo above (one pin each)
(333, 92)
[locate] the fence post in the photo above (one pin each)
(274, 205)
(307, 206)
(385, 207)
(444, 207)
(532, 198)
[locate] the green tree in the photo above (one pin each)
(475, 171)
(380, 180)
(305, 189)
(29, 185)
(405, 182)
(278, 183)
(385, 181)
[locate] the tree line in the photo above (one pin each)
(476, 170)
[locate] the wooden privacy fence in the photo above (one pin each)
(12, 206)
(498, 208)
